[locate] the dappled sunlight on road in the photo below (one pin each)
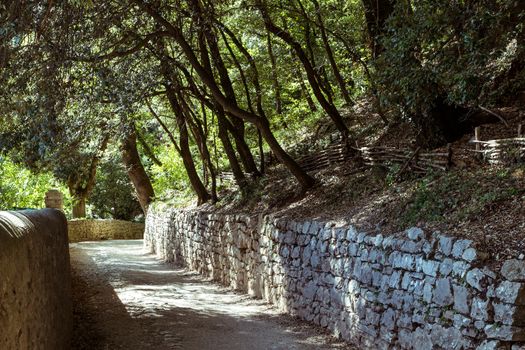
(168, 307)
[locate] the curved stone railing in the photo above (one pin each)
(35, 281)
(408, 290)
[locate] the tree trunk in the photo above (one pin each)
(304, 89)
(222, 121)
(237, 131)
(238, 174)
(311, 47)
(330, 55)
(312, 76)
(302, 177)
(136, 172)
(275, 76)
(262, 166)
(376, 14)
(81, 183)
(200, 138)
(79, 207)
(147, 149)
(184, 146)
(284, 158)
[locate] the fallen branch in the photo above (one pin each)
(403, 168)
(494, 114)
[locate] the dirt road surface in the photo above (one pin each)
(126, 299)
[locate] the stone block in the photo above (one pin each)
(446, 338)
(475, 278)
(430, 267)
(489, 345)
(445, 244)
(504, 332)
(461, 299)
(459, 247)
(511, 292)
(470, 254)
(388, 319)
(514, 270)
(443, 293)
(508, 314)
(480, 309)
(446, 266)
(415, 233)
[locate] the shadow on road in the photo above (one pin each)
(126, 299)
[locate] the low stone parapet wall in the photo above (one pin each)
(95, 230)
(35, 281)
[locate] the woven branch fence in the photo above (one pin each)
(413, 160)
(502, 151)
(409, 159)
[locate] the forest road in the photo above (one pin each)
(126, 299)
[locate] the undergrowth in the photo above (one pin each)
(459, 195)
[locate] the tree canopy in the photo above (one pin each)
(179, 91)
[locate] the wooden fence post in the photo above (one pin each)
(478, 145)
(449, 156)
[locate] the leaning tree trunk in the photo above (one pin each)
(184, 145)
(136, 172)
(236, 126)
(222, 121)
(313, 78)
(330, 55)
(199, 136)
(305, 180)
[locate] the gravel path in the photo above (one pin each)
(126, 299)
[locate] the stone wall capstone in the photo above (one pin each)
(412, 290)
(35, 281)
(54, 199)
(96, 230)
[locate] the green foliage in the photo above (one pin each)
(170, 180)
(113, 196)
(20, 188)
(74, 74)
(459, 196)
(456, 49)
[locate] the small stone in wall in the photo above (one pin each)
(430, 267)
(511, 292)
(460, 268)
(442, 292)
(470, 254)
(507, 333)
(479, 309)
(507, 314)
(459, 247)
(489, 345)
(446, 266)
(461, 297)
(388, 319)
(447, 338)
(461, 321)
(514, 270)
(445, 245)
(415, 233)
(351, 234)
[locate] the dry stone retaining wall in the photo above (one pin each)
(95, 230)
(35, 281)
(412, 290)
